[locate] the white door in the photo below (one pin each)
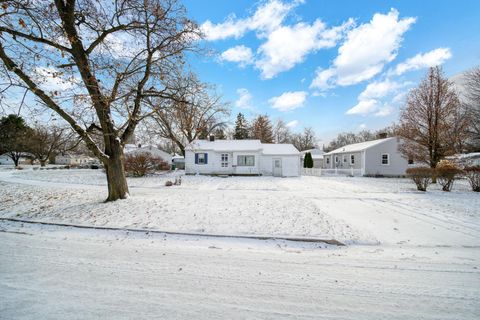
(277, 167)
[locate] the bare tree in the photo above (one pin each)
(472, 104)
(195, 112)
(305, 140)
(262, 129)
(432, 124)
(281, 132)
(95, 63)
(44, 142)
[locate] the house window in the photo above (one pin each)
(385, 159)
(352, 159)
(328, 160)
(224, 161)
(245, 161)
(336, 158)
(201, 158)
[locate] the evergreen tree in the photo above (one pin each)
(308, 160)
(241, 128)
(262, 129)
(13, 137)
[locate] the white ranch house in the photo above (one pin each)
(372, 158)
(154, 151)
(241, 157)
(73, 159)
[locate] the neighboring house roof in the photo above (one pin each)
(148, 149)
(359, 146)
(279, 149)
(225, 145)
(316, 153)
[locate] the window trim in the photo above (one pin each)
(224, 160)
(388, 159)
(245, 156)
(201, 155)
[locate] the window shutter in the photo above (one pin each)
(196, 158)
(206, 158)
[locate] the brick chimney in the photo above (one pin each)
(212, 138)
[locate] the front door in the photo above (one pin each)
(277, 167)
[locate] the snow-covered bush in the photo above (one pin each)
(422, 176)
(141, 164)
(473, 176)
(446, 173)
(169, 183)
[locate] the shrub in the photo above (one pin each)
(308, 160)
(446, 173)
(169, 183)
(141, 164)
(473, 176)
(422, 176)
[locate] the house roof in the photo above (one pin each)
(244, 145)
(279, 149)
(359, 146)
(225, 145)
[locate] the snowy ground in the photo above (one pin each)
(76, 274)
(351, 210)
(410, 255)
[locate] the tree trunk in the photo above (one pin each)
(15, 161)
(117, 182)
(43, 162)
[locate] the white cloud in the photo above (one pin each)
(371, 100)
(266, 18)
(238, 54)
(244, 99)
(52, 79)
(288, 101)
(424, 60)
(378, 89)
(384, 111)
(292, 124)
(364, 107)
(363, 126)
(366, 50)
(287, 46)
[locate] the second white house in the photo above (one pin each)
(241, 157)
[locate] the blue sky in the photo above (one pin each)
(331, 65)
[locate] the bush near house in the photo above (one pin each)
(446, 173)
(141, 164)
(422, 176)
(473, 176)
(308, 160)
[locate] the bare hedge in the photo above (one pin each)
(141, 164)
(422, 176)
(473, 176)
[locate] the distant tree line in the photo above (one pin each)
(39, 142)
(261, 128)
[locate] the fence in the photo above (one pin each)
(331, 172)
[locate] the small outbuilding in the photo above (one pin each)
(372, 158)
(241, 157)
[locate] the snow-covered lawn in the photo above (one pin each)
(351, 210)
(410, 255)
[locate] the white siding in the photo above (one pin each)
(290, 165)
